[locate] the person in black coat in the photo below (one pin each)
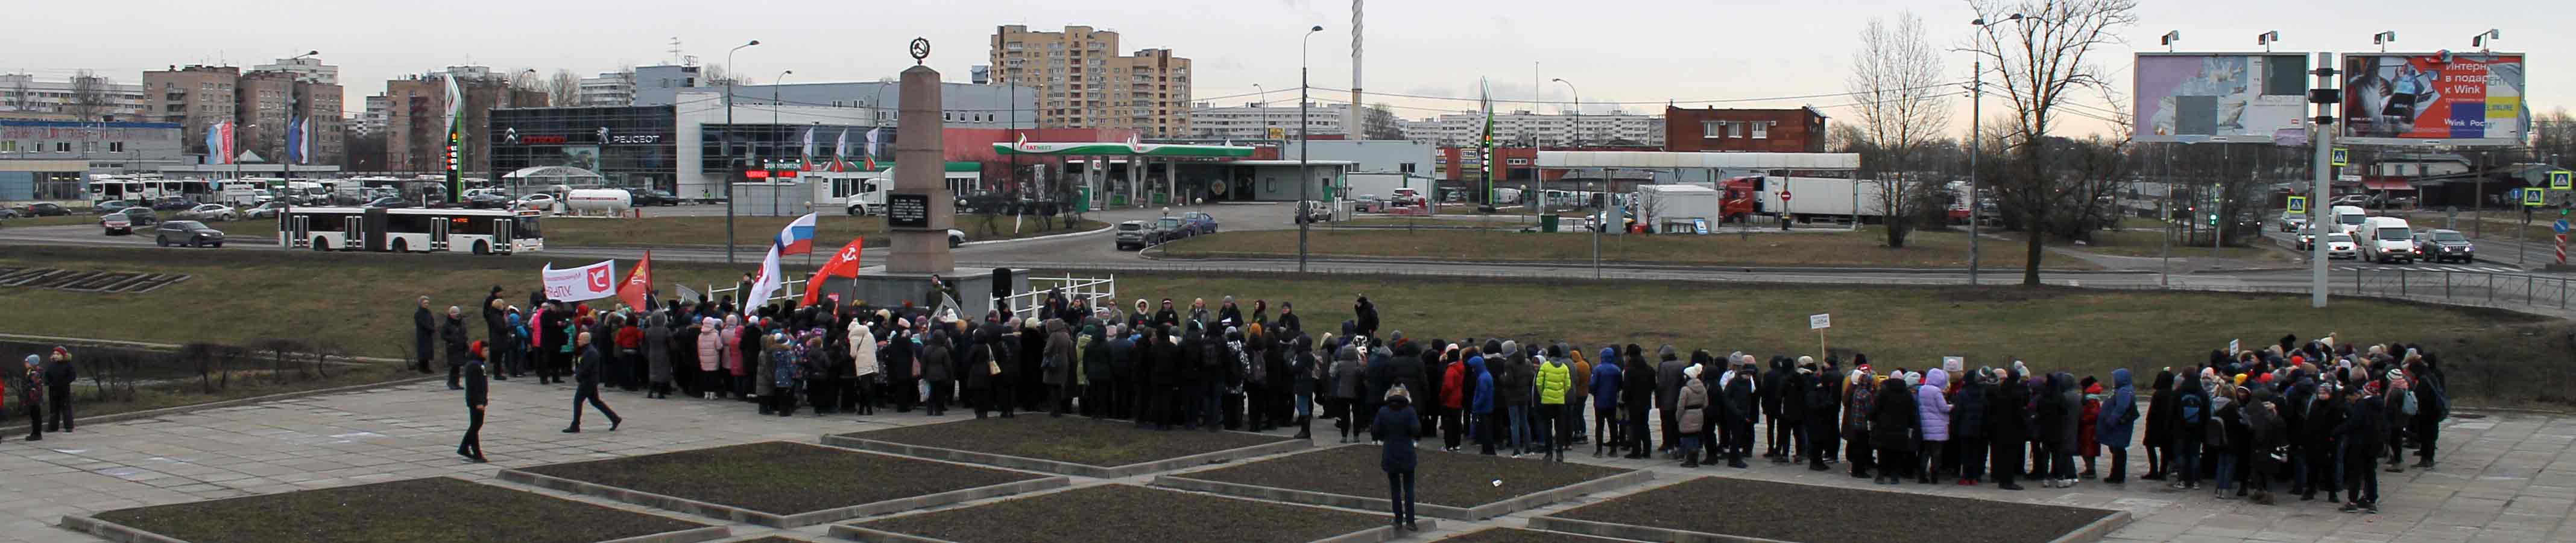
(1637, 395)
(477, 397)
(1968, 425)
(2164, 407)
(496, 334)
(1775, 443)
(1793, 413)
(424, 334)
(1288, 319)
(1822, 405)
(2364, 426)
(585, 377)
(2008, 427)
(1395, 426)
(1892, 421)
(451, 331)
(1740, 405)
(1366, 314)
(2317, 443)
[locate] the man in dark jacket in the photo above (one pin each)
(2317, 444)
(1637, 396)
(1668, 388)
(424, 333)
(1968, 425)
(451, 331)
(1741, 401)
(1793, 411)
(1775, 443)
(2432, 404)
(59, 374)
(1288, 324)
(2007, 427)
(1167, 317)
(558, 318)
(585, 377)
(1820, 422)
(1060, 361)
(496, 335)
(477, 397)
(2364, 424)
(1367, 315)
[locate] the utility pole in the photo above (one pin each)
(1304, 184)
(2325, 98)
(730, 132)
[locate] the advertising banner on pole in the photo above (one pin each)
(590, 282)
(2219, 97)
(2436, 98)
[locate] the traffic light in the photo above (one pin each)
(2213, 219)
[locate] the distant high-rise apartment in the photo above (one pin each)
(1083, 82)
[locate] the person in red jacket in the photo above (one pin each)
(1453, 397)
(629, 372)
(2084, 443)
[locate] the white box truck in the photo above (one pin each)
(1677, 208)
(1811, 199)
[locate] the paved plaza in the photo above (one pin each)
(2504, 477)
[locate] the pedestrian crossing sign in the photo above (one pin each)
(2558, 180)
(2298, 204)
(2342, 157)
(2533, 197)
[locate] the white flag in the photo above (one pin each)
(872, 142)
(584, 283)
(809, 149)
(841, 146)
(766, 283)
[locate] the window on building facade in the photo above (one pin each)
(1712, 129)
(62, 147)
(1762, 130)
(1516, 161)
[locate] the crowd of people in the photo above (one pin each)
(2305, 417)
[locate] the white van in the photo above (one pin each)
(2348, 218)
(2386, 239)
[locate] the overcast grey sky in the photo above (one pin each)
(1638, 51)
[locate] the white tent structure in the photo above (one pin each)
(543, 177)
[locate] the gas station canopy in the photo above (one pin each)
(1662, 160)
(1120, 148)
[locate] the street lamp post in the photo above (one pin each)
(728, 147)
(781, 138)
(1577, 95)
(1976, 140)
(1304, 185)
(1263, 109)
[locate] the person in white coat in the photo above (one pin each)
(859, 394)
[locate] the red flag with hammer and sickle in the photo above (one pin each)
(638, 288)
(843, 264)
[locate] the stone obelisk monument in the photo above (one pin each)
(919, 210)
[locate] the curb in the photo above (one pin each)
(112, 531)
(1622, 264)
(1061, 467)
(1048, 236)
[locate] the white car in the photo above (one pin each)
(2290, 222)
(534, 201)
(210, 212)
(2341, 246)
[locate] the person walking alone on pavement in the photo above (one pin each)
(477, 396)
(424, 330)
(1394, 428)
(585, 376)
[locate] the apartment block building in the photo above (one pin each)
(416, 117)
(1256, 120)
(1525, 128)
(23, 97)
(1083, 82)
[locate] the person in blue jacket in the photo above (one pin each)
(2119, 418)
(1605, 402)
(1482, 403)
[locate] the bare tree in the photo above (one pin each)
(20, 92)
(2039, 61)
(93, 96)
(1378, 123)
(1903, 104)
(563, 88)
(715, 75)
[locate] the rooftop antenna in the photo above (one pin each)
(2480, 41)
(675, 49)
(2382, 39)
(2266, 39)
(2168, 40)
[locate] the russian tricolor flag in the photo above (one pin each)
(798, 237)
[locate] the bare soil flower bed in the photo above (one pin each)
(1794, 512)
(430, 510)
(1517, 535)
(1440, 478)
(1129, 514)
(782, 478)
(1073, 440)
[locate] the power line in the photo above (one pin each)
(1650, 102)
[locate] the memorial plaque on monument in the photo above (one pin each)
(907, 210)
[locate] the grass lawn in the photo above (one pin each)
(75, 218)
(364, 303)
(782, 478)
(1785, 511)
(1819, 246)
(831, 230)
(2149, 244)
(432, 510)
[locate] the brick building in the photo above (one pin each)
(1148, 92)
(416, 118)
(1798, 130)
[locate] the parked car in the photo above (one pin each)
(1167, 230)
(1132, 234)
(265, 210)
(131, 216)
(651, 197)
(1199, 223)
(2446, 246)
(388, 202)
(487, 200)
(2340, 246)
(116, 224)
(171, 203)
(9, 213)
(534, 201)
(2349, 200)
(956, 238)
(188, 234)
(1367, 203)
(210, 212)
(1311, 211)
(45, 210)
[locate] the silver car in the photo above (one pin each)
(187, 234)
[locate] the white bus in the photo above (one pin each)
(104, 190)
(479, 231)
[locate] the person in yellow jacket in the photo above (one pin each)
(1574, 398)
(1555, 379)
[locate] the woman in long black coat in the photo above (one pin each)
(2008, 427)
(1892, 421)
(2163, 409)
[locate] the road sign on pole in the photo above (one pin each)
(2533, 197)
(2342, 157)
(2560, 226)
(2298, 204)
(2559, 180)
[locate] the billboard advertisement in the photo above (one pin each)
(2440, 98)
(2219, 97)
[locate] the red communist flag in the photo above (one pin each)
(844, 264)
(637, 290)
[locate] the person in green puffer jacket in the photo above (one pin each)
(1554, 380)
